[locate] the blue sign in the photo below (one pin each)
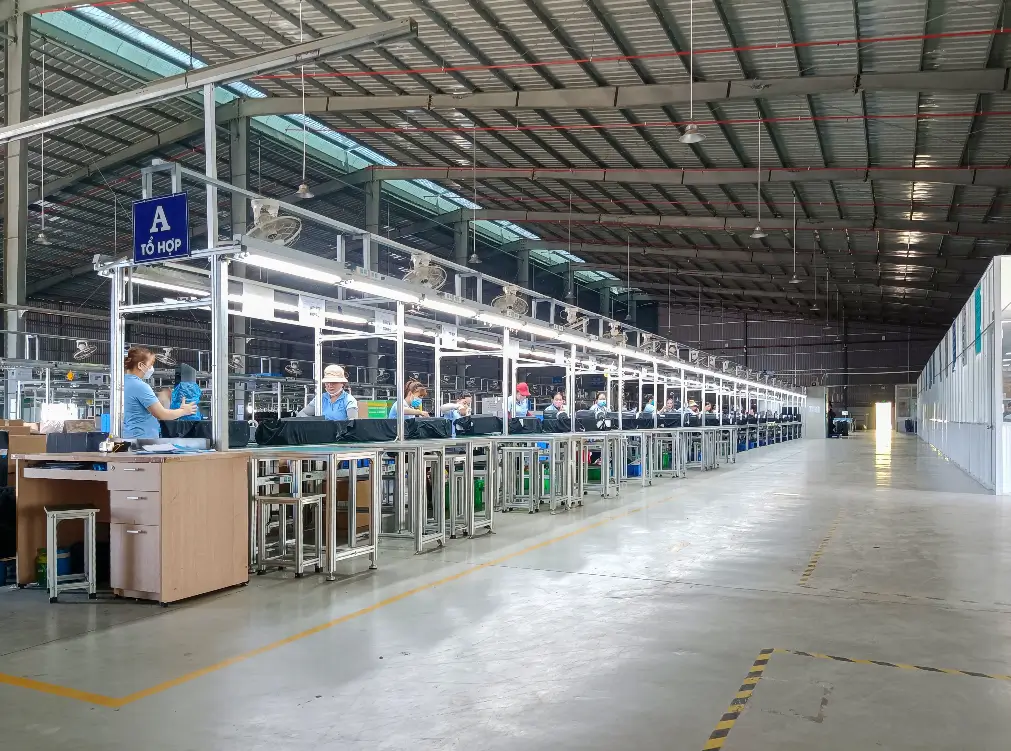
(161, 228)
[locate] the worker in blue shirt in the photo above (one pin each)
(414, 392)
(519, 405)
(141, 408)
(337, 403)
(453, 411)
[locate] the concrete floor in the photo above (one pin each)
(631, 623)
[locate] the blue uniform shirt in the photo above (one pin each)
(393, 413)
(336, 409)
(519, 408)
(137, 421)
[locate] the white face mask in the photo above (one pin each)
(146, 375)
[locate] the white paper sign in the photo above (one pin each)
(385, 322)
(559, 356)
(514, 350)
(447, 336)
(311, 311)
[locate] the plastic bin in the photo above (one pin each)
(593, 474)
(665, 461)
(635, 470)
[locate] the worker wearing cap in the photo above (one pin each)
(519, 405)
(337, 401)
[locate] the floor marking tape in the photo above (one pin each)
(719, 736)
(115, 702)
(819, 552)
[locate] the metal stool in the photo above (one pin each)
(86, 582)
(304, 480)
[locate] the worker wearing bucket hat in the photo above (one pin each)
(337, 401)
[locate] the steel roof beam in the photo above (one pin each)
(731, 224)
(757, 257)
(233, 70)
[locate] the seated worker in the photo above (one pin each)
(669, 408)
(599, 406)
(141, 408)
(414, 392)
(693, 406)
(453, 411)
(650, 407)
(186, 390)
(708, 407)
(557, 406)
(338, 404)
(519, 404)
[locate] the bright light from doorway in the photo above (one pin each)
(883, 416)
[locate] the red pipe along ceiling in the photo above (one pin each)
(652, 56)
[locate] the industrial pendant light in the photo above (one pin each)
(303, 192)
(41, 238)
(692, 133)
(759, 233)
(794, 279)
(814, 276)
(474, 259)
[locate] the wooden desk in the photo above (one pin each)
(178, 525)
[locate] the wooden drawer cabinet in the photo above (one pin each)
(135, 507)
(135, 558)
(134, 476)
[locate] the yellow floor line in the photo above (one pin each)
(116, 702)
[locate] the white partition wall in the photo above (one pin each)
(959, 392)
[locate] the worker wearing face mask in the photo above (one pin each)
(337, 401)
(519, 404)
(557, 406)
(414, 392)
(141, 408)
(600, 405)
(650, 407)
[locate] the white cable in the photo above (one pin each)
(42, 150)
(304, 134)
(691, 61)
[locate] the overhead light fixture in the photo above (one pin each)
(182, 289)
(794, 279)
(287, 267)
(474, 259)
(541, 331)
(564, 336)
(345, 318)
(506, 323)
(303, 192)
(375, 289)
(285, 307)
(41, 239)
(759, 233)
(479, 343)
(447, 307)
(692, 134)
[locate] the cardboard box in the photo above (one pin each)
(79, 426)
(11, 423)
(363, 502)
(26, 444)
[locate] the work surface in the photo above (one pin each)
(646, 622)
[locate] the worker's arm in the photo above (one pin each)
(161, 413)
(447, 408)
(352, 408)
(309, 410)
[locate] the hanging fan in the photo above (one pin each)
(572, 318)
(725, 365)
(382, 376)
(711, 361)
(85, 349)
(650, 343)
(494, 385)
(510, 301)
(293, 369)
(235, 363)
(165, 357)
(269, 226)
(693, 355)
(738, 369)
(615, 334)
(414, 375)
(424, 273)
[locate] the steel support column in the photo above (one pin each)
(373, 196)
(523, 268)
(238, 165)
(17, 62)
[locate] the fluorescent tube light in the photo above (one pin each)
(541, 331)
(480, 343)
(287, 267)
(282, 306)
(447, 307)
(570, 338)
(380, 291)
(346, 318)
(181, 288)
(506, 323)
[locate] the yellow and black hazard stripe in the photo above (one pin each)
(899, 665)
(819, 552)
(726, 723)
